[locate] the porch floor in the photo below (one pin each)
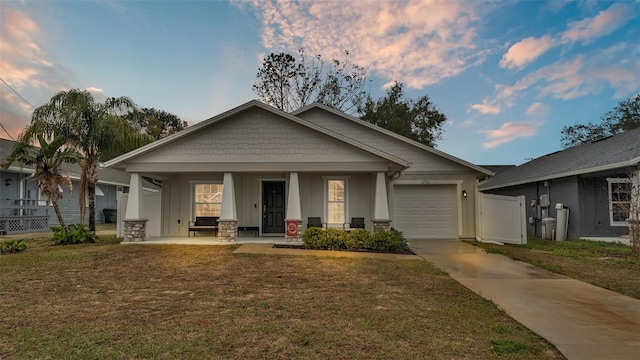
(211, 240)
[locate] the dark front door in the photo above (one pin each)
(273, 207)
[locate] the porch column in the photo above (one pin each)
(228, 222)
(381, 216)
(634, 210)
(135, 228)
(294, 213)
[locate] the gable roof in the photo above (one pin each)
(617, 151)
(384, 131)
(121, 160)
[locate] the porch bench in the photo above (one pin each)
(255, 229)
(204, 223)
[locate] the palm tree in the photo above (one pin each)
(47, 159)
(94, 129)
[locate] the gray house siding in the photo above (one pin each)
(594, 192)
(586, 196)
(69, 206)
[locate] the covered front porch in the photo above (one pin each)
(278, 205)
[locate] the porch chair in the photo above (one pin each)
(315, 222)
(356, 223)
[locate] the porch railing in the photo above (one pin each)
(22, 216)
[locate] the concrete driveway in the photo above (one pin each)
(583, 321)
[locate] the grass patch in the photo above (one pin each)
(509, 347)
(103, 300)
(608, 265)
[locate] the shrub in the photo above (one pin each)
(73, 234)
(335, 239)
(383, 241)
(313, 238)
(357, 239)
(13, 246)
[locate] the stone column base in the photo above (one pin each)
(294, 236)
(135, 230)
(227, 230)
(381, 225)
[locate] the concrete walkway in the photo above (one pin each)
(583, 321)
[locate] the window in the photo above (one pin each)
(619, 201)
(336, 201)
(207, 199)
(43, 200)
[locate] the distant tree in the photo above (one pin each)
(625, 116)
(288, 83)
(155, 123)
(47, 160)
(418, 120)
(97, 131)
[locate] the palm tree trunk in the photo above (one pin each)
(58, 213)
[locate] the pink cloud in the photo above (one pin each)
(418, 42)
(583, 75)
(604, 23)
(538, 109)
(525, 51)
(510, 131)
(486, 108)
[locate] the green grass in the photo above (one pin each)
(608, 265)
(110, 301)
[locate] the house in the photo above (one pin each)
(260, 169)
(592, 180)
(24, 209)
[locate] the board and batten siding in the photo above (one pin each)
(177, 197)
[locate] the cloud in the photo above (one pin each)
(525, 51)
(417, 42)
(580, 76)
(486, 108)
(510, 131)
(604, 23)
(95, 90)
(27, 66)
(538, 109)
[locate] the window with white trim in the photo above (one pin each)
(43, 200)
(619, 200)
(207, 199)
(336, 200)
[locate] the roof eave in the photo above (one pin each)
(622, 164)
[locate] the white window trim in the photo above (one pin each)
(192, 199)
(611, 203)
(325, 180)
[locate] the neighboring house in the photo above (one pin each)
(257, 167)
(593, 180)
(24, 209)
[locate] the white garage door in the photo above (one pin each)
(426, 211)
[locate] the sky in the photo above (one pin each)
(507, 74)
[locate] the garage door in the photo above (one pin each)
(426, 211)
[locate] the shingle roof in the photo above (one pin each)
(618, 151)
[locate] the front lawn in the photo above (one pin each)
(110, 301)
(608, 265)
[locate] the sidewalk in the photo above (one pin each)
(583, 321)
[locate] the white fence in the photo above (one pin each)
(502, 219)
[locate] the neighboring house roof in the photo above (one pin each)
(617, 151)
(121, 160)
(105, 176)
(391, 134)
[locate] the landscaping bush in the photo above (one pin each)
(384, 241)
(73, 234)
(357, 239)
(13, 246)
(360, 239)
(313, 238)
